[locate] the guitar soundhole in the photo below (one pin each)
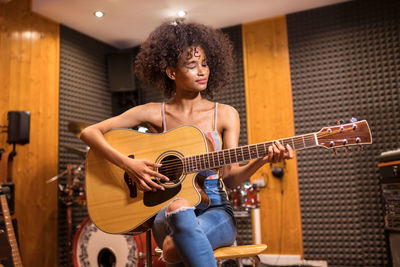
(106, 258)
(172, 167)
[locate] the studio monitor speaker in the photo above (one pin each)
(120, 72)
(18, 127)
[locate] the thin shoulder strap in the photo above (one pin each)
(163, 117)
(215, 116)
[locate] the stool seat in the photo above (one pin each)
(239, 251)
(235, 252)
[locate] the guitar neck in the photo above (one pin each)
(224, 157)
(16, 257)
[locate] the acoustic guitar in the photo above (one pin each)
(16, 257)
(116, 206)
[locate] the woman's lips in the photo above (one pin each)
(202, 81)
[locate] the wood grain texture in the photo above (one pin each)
(239, 251)
(29, 71)
(270, 117)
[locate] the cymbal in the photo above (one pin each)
(76, 127)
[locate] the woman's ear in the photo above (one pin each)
(170, 73)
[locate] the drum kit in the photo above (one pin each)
(90, 246)
(73, 192)
(246, 209)
(244, 197)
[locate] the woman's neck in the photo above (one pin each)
(195, 111)
(187, 102)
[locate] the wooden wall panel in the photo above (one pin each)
(29, 71)
(269, 117)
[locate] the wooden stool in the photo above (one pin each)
(235, 252)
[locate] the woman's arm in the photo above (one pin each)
(234, 174)
(138, 169)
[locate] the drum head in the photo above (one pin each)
(92, 247)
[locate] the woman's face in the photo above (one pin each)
(192, 71)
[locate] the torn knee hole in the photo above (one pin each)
(177, 205)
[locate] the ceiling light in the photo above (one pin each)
(99, 14)
(181, 13)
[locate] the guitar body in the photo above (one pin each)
(114, 204)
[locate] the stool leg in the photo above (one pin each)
(148, 248)
(256, 261)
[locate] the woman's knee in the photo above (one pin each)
(177, 205)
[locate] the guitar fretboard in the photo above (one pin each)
(224, 157)
(10, 232)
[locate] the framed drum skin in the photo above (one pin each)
(93, 247)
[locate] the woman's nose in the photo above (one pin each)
(201, 70)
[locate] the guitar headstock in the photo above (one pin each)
(353, 133)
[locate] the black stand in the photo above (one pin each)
(148, 248)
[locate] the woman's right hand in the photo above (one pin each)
(142, 171)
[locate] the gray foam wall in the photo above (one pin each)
(84, 97)
(345, 62)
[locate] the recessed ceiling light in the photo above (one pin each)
(99, 14)
(181, 13)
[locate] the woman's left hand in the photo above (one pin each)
(277, 153)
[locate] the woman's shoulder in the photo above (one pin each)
(223, 108)
(226, 110)
(150, 107)
(153, 105)
(149, 112)
(228, 117)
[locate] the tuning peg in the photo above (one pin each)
(360, 148)
(346, 148)
(335, 152)
(353, 119)
(340, 122)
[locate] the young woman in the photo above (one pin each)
(189, 63)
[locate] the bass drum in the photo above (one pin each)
(92, 247)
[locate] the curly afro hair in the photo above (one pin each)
(169, 41)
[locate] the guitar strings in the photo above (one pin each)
(251, 149)
(208, 159)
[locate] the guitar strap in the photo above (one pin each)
(5, 176)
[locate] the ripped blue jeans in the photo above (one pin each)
(197, 232)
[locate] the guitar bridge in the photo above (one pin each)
(131, 186)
